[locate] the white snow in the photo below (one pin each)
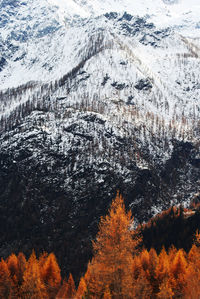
(172, 66)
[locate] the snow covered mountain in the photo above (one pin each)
(38, 38)
(94, 97)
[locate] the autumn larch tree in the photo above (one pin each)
(12, 263)
(116, 242)
(62, 293)
(71, 290)
(165, 290)
(50, 274)
(141, 287)
(33, 286)
(178, 272)
(153, 258)
(107, 294)
(192, 286)
(82, 289)
(21, 267)
(6, 284)
(162, 274)
(192, 283)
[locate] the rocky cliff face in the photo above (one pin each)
(117, 108)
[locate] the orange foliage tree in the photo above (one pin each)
(71, 289)
(62, 293)
(21, 268)
(12, 263)
(6, 284)
(33, 286)
(162, 269)
(107, 294)
(165, 290)
(192, 286)
(116, 242)
(82, 289)
(178, 272)
(68, 289)
(50, 274)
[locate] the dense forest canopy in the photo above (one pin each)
(121, 267)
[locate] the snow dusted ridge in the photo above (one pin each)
(170, 12)
(118, 52)
(181, 14)
(138, 69)
(38, 39)
(95, 96)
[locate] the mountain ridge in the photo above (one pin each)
(95, 105)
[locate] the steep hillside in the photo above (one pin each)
(173, 227)
(95, 104)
